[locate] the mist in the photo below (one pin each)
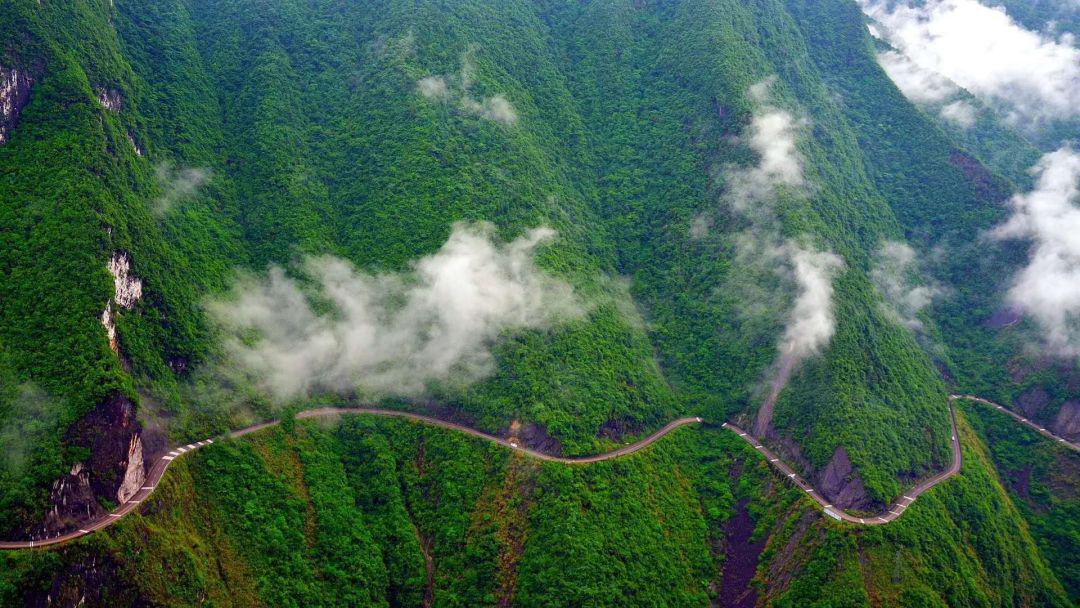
(808, 273)
(451, 89)
(391, 334)
(177, 185)
(1033, 76)
(810, 324)
(895, 274)
(1048, 288)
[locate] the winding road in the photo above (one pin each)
(895, 510)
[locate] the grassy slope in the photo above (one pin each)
(1043, 479)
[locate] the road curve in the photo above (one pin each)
(894, 510)
(162, 464)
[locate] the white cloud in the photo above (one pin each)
(177, 185)
(1035, 76)
(442, 88)
(1049, 287)
(772, 135)
(433, 87)
(811, 324)
(895, 273)
(915, 82)
(391, 334)
(959, 113)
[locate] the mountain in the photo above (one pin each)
(563, 224)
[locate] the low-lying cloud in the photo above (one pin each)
(177, 185)
(456, 89)
(752, 192)
(1048, 288)
(395, 334)
(811, 324)
(772, 135)
(1034, 76)
(895, 274)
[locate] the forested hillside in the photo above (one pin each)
(566, 223)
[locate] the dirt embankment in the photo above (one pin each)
(740, 560)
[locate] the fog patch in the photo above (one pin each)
(343, 330)
(959, 113)
(1035, 76)
(457, 90)
(805, 272)
(918, 84)
(34, 416)
(1048, 288)
(177, 185)
(895, 274)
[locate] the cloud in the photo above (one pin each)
(433, 87)
(177, 185)
(811, 323)
(448, 89)
(761, 249)
(895, 273)
(915, 82)
(773, 136)
(398, 334)
(1048, 288)
(959, 113)
(34, 417)
(981, 49)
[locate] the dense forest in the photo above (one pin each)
(562, 222)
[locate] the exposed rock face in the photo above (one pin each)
(109, 432)
(128, 287)
(135, 474)
(841, 484)
(134, 145)
(110, 99)
(72, 501)
(14, 93)
(109, 321)
(1067, 423)
(1032, 401)
(115, 469)
(86, 578)
(128, 291)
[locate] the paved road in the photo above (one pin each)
(894, 511)
(1038, 429)
(162, 464)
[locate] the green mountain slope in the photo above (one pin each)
(166, 148)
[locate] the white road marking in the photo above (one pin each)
(114, 515)
(167, 457)
(882, 520)
(148, 487)
(908, 497)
